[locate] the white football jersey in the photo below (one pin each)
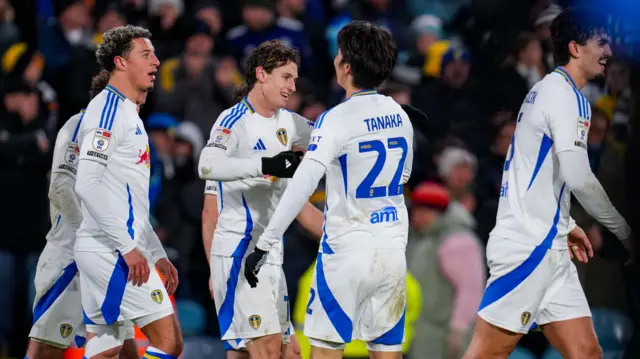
(247, 205)
(366, 144)
(534, 199)
(112, 133)
(65, 160)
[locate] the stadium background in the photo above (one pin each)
(466, 63)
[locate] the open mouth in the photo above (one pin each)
(603, 62)
(285, 95)
(152, 75)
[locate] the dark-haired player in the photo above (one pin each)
(533, 281)
(57, 310)
(250, 156)
(116, 246)
(365, 147)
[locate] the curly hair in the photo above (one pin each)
(99, 82)
(118, 42)
(269, 55)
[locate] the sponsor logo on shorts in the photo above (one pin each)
(255, 321)
(65, 330)
(386, 214)
(525, 318)
(156, 295)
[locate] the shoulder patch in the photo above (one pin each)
(72, 153)
(101, 140)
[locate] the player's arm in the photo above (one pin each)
(571, 148)
(219, 160)
(209, 216)
(63, 180)
(311, 219)
(326, 143)
(160, 259)
(96, 150)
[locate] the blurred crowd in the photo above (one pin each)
(467, 64)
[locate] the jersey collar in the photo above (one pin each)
(562, 72)
(245, 101)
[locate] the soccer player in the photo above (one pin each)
(235, 349)
(249, 155)
(115, 239)
(365, 147)
(57, 311)
(532, 279)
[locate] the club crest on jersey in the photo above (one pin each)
(221, 135)
(144, 157)
(157, 296)
(101, 140)
(72, 154)
(255, 321)
(65, 330)
(282, 136)
(525, 317)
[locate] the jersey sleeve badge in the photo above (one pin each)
(72, 154)
(101, 140)
(221, 135)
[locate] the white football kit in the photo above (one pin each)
(113, 184)
(532, 279)
(246, 200)
(57, 312)
(365, 146)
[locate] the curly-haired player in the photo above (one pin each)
(116, 246)
(249, 156)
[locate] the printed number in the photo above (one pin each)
(365, 189)
(286, 299)
(311, 298)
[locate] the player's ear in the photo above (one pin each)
(574, 49)
(261, 74)
(119, 62)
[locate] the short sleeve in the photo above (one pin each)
(568, 119)
(211, 187)
(226, 132)
(303, 129)
(99, 131)
(327, 138)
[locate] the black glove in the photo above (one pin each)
(283, 164)
(252, 265)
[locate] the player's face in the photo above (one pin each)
(341, 69)
(594, 56)
(280, 84)
(142, 64)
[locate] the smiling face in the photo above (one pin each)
(592, 57)
(278, 85)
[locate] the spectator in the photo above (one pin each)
(25, 160)
(428, 31)
(9, 33)
(168, 26)
(446, 258)
(260, 24)
(457, 169)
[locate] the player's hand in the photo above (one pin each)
(283, 164)
(579, 245)
(138, 267)
(169, 274)
(252, 265)
(292, 350)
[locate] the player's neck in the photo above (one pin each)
(260, 104)
(575, 75)
(351, 90)
(125, 87)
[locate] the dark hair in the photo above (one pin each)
(99, 82)
(118, 42)
(370, 50)
(269, 55)
(578, 24)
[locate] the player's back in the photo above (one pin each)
(534, 200)
(65, 160)
(366, 143)
(246, 205)
(113, 134)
